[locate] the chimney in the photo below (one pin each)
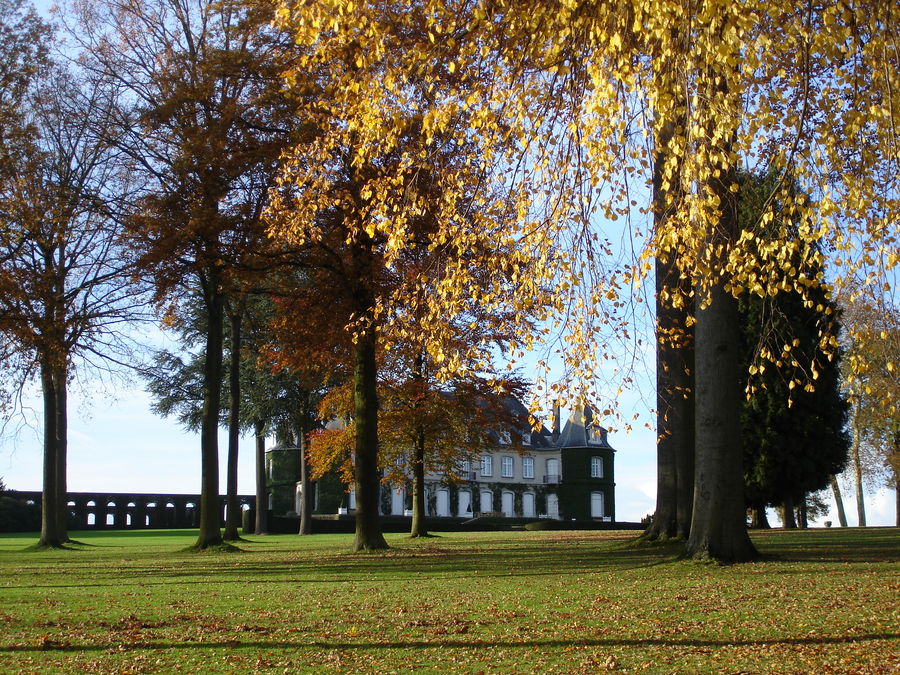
(555, 421)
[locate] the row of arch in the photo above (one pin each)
(136, 512)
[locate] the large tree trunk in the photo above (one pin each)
(674, 345)
(719, 523)
(839, 501)
(675, 414)
(210, 532)
(718, 528)
(50, 532)
(233, 507)
(365, 399)
(306, 496)
(261, 525)
(418, 527)
(857, 468)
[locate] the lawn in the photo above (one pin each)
(122, 602)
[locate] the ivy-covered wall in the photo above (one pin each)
(497, 489)
(282, 474)
(575, 490)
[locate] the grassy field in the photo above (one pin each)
(123, 602)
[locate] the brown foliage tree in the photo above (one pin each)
(202, 108)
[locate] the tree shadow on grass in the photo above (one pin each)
(831, 546)
(410, 565)
(223, 547)
(64, 646)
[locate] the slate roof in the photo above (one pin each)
(581, 432)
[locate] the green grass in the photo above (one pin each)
(822, 601)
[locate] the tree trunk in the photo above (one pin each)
(50, 533)
(787, 513)
(210, 532)
(233, 507)
(62, 452)
(419, 513)
(896, 500)
(839, 501)
(261, 525)
(719, 528)
(758, 518)
(365, 399)
(802, 515)
(719, 523)
(675, 414)
(306, 501)
(857, 469)
(674, 354)
(418, 527)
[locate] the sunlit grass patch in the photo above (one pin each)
(461, 602)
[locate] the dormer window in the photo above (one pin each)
(596, 435)
(504, 437)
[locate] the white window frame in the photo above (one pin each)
(596, 467)
(528, 467)
(487, 466)
(507, 467)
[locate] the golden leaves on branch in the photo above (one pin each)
(559, 107)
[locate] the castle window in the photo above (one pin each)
(596, 467)
(487, 465)
(506, 467)
(528, 467)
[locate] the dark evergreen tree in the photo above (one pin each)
(793, 422)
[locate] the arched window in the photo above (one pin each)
(528, 504)
(552, 506)
(442, 503)
(464, 507)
